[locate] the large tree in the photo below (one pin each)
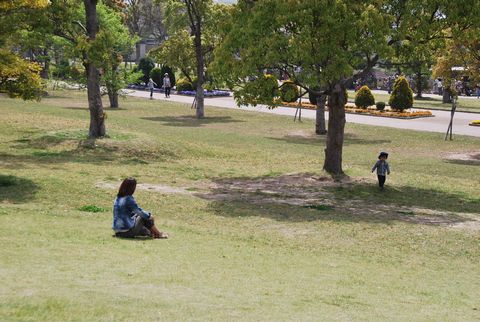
(113, 43)
(422, 28)
(318, 44)
(463, 47)
(145, 18)
(97, 115)
(199, 18)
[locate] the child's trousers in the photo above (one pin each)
(381, 180)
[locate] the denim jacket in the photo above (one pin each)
(124, 209)
(382, 167)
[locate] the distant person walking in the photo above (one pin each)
(151, 85)
(478, 90)
(129, 220)
(167, 85)
(382, 168)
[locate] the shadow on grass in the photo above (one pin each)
(320, 139)
(15, 189)
(81, 151)
(426, 98)
(191, 121)
(464, 162)
(306, 197)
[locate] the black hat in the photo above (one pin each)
(383, 153)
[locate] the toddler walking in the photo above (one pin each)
(382, 168)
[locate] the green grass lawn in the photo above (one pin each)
(258, 231)
(463, 105)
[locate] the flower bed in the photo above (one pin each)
(475, 123)
(351, 108)
(206, 93)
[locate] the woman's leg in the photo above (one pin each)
(150, 224)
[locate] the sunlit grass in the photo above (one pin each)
(357, 254)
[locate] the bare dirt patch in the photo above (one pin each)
(470, 156)
(317, 192)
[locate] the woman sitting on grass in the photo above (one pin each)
(129, 220)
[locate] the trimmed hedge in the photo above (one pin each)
(402, 95)
(364, 97)
(380, 106)
(184, 84)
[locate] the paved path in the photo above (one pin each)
(439, 123)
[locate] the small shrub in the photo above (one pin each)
(289, 92)
(263, 89)
(402, 95)
(380, 106)
(91, 208)
(184, 84)
(364, 97)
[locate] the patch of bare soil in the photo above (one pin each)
(311, 191)
(145, 186)
(293, 189)
(302, 134)
(471, 156)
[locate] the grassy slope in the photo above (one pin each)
(464, 104)
(227, 260)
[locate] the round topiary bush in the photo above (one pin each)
(380, 106)
(184, 84)
(402, 95)
(289, 92)
(364, 97)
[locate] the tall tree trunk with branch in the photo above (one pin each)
(200, 112)
(97, 116)
(418, 83)
(336, 129)
(195, 18)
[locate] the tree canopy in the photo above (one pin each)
(318, 45)
(18, 77)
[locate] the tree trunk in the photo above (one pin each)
(419, 85)
(113, 97)
(446, 98)
(44, 74)
(97, 116)
(200, 111)
(336, 129)
(320, 115)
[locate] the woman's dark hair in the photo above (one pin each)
(127, 188)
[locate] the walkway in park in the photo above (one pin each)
(439, 123)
